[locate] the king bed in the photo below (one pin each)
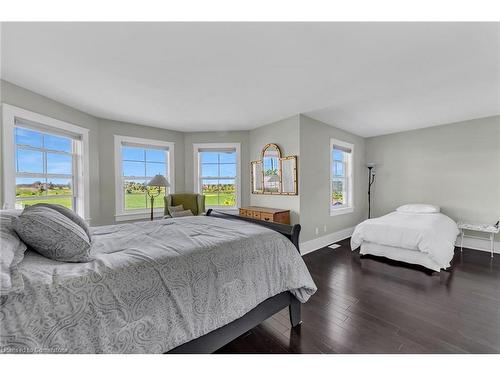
(184, 285)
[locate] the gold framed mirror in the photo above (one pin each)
(289, 184)
(271, 169)
(257, 175)
(274, 174)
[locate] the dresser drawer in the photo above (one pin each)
(273, 215)
(266, 217)
(256, 215)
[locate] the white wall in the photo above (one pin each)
(285, 133)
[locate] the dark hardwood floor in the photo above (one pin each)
(373, 305)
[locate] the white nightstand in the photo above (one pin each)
(484, 228)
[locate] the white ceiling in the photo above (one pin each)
(367, 78)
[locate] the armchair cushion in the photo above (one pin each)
(190, 201)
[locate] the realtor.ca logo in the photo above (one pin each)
(10, 350)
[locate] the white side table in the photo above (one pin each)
(484, 228)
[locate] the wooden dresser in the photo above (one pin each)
(276, 215)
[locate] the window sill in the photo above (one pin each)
(129, 216)
(341, 211)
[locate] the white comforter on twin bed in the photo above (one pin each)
(433, 234)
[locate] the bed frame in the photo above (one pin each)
(218, 338)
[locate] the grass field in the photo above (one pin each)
(140, 200)
(63, 201)
(211, 199)
(137, 200)
(132, 200)
(41, 198)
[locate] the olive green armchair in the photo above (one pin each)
(190, 201)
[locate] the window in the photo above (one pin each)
(341, 177)
(45, 171)
(44, 161)
(217, 174)
(138, 161)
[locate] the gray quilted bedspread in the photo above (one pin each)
(152, 286)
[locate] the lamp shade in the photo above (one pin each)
(159, 180)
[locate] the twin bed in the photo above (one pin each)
(417, 234)
(182, 285)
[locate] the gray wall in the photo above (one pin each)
(455, 166)
(314, 179)
(107, 130)
(285, 134)
(241, 137)
(101, 142)
(19, 97)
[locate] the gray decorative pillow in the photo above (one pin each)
(70, 214)
(181, 213)
(178, 208)
(53, 235)
(11, 254)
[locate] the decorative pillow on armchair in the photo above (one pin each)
(172, 209)
(182, 213)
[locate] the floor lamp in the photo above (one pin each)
(157, 182)
(371, 180)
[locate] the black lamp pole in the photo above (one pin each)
(371, 179)
(152, 195)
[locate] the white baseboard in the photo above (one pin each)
(320, 242)
(478, 244)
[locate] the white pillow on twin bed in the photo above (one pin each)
(419, 208)
(11, 254)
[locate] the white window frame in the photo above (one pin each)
(349, 207)
(120, 213)
(44, 123)
(196, 168)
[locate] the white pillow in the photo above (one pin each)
(419, 208)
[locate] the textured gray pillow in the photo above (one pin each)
(181, 213)
(11, 254)
(178, 208)
(70, 214)
(53, 235)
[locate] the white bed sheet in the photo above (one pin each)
(431, 234)
(399, 254)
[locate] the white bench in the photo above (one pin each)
(484, 228)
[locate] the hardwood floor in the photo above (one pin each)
(373, 305)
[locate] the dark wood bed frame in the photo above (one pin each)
(223, 335)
